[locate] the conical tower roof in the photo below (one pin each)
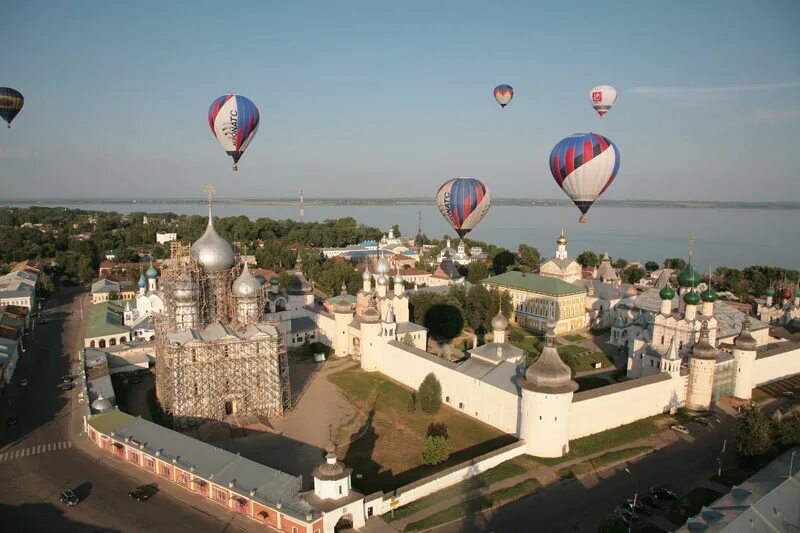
(702, 348)
(745, 340)
(549, 373)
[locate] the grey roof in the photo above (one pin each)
(489, 351)
(619, 387)
(101, 385)
(216, 331)
(503, 376)
(605, 291)
(299, 325)
(409, 327)
(729, 319)
(423, 354)
(16, 294)
(560, 263)
(104, 285)
(217, 465)
(766, 502)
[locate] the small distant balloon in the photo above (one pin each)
(503, 94)
(11, 102)
(603, 98)
(584, 165)
(234, 122)
(463, 202)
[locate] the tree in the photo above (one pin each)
(651, 266)
(502, 260)
(620, 263)
(444, 321)
(632, 275)
(529, 257)
(437, 429)
(408, 340)
(430, 394)
(476, 272)
(588, 258)
(435, 450)
(478, 308)
(675, 263)
(787, 430)
(754, 434)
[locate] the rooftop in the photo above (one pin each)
(535, 283)
(106, 319)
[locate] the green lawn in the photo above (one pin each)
(602, 461)
(475, 505)
(590, 382)
(614, 437)
(691, 504)
(587, 361)
(387, 452)
(513, 467)
(575, 337)
(570, 349)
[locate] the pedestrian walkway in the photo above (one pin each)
(35, 450)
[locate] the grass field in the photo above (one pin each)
(571, 349)
(602, 461)
(387, 452)
(474, 505)
(575, 337)
(587, 361)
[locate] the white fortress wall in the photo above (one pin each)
(326, 325)
(441, 480)
(776, 363)
(615, 405)
(489, 404)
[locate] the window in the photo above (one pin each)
(340, 489)
(294, 529)
(447, 399)
(134, 457)
(165, 471)
(460, 405)
(149, 464)
(183, 479)
(219, 494)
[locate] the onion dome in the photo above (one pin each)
(549, 373)
(102, 405)
(398, 278)
(689, 277)
(274, 280)
(332, 469)
(709, 295)
(246, 285)
(371, 314)
(691, 298)
(702, 349)
(367, 275)
(383, 266)
(770, 292)
(212, 251)
(562, 240)
(261, 279)
(142, 282)
(786, 293)
(745, 340)
(342, 304)
(499, 322)
(298, 284)
(797, 292)
(151, 272)
(383, 281)
(667, 293)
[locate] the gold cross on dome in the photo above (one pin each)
(210, 190)
(692, 238)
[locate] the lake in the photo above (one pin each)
(725, 236)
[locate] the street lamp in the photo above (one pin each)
(635, 494)
(791, 463)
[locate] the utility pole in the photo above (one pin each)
(635, 495)
(302, 209)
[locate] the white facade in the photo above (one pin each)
(164, 238)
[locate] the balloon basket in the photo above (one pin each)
(583, 219)
(235, 168)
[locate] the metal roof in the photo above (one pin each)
(106, 319)
(503, 376)
(535, 283)
(302, 324)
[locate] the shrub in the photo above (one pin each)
(430, 394)
(437, 429)
(435, 450)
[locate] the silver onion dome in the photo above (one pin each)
(371, 314)
(398, 278)
(214, 253)
(383, 281)
(246, 285)
(499, 322)
(549, 373)
(702, 349)
(102, 405)
(342, 303)
(367, 275)
(745, 340)
(383, 266)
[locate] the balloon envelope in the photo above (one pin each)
(584, 165)
(11, 102)
(463, 202)
(602, 98)
(233, 120)
(503, 94)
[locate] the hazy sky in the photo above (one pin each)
(379, 98)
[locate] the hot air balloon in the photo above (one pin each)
(602, 98)
(11, 102)
(234, 122)
(463, 202)
(503, 94)
(584, 165)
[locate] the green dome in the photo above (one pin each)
(691, 298)
(770, 292)
(689, 277)
(797, 292)
(709, 295)
(667, 293)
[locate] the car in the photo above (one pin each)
(680, 429)
(66, 386)
(651, 501)
(43, 321)
(69, 498)
(23, 382)
(626, 514)
(641, 509)
(663, 493)
(140, 494)
(703, 421)
(12, 421)
(66, 378)
(790, 394)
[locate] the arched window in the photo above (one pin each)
(122, 339)
(102, 343)
(112, 342)
(91, 344)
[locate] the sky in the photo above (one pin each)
(389, 99)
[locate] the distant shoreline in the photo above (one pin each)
(366, 202)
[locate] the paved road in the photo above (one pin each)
(45, 453)
(581, 505)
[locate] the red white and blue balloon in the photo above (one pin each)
(233, 120)
(463, 202)
(584, 165)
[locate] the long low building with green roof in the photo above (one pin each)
(537, 299)
(105, 324)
